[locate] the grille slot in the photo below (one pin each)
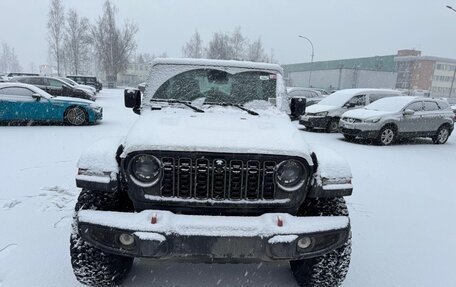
(216, 178)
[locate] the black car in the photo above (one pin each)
(55, 87)
(87, 80)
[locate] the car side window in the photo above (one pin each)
(417, 106)
(430, 106)
(16, 94)
(357, 101)
(55, 83)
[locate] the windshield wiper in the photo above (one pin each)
(172, 101)
(223, 104)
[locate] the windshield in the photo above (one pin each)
(219, 86)
(393, 104)
(337, 99)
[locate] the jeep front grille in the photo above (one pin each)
(218, 178)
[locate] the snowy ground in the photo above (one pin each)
(402, 210)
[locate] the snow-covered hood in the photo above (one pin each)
(231, 131)
(71, 100)
(319, 108)
(365, 114)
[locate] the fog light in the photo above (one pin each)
(304, 242)
(126, 239)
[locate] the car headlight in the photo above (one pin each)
(145, 170)
(372, 120)
(290, 175)
(321, 114)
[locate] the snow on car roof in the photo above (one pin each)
(218, 63)
(391, 104)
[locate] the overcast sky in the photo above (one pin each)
(338, 28)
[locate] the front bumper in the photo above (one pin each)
(315, 121)
(164, 235)
(362, 130)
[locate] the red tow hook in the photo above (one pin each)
(279, 221)
(154, 219)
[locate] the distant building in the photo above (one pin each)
(136, 73)
(370, 72)
(433, 74)
(407, 70)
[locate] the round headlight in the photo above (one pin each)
(290, 174)
(145, 169)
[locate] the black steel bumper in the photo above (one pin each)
(315, 122)
(165, 235)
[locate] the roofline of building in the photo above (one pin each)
(424, 58)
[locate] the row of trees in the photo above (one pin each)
(227, 46)
(9, 61)
(77, 46)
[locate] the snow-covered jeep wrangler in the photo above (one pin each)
(213, 170)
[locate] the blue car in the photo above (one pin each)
(26, 103)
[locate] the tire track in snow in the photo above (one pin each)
(5, 251)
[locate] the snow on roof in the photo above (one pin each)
(218, 63)
(367, 90)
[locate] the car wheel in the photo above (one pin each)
(76, 116)
(386, 136)
(330, 269)
(349, 138)
(92, 266)
(333, 126)
(443, 133)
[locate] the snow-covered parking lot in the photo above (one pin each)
(402, 211)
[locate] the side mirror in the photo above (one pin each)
(132, 98)
(297, 107)
(37, 97)
(408, 112)
(350, 105)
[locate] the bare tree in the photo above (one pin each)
(194, 47)
(220, 47)
(77, 42)
(8, 60)
(238, 42)
(113, 45)
(256, 52)
(56, 26)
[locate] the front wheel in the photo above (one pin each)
(349, 138)
(443, 133)
(333, 126)
(76, 116)
(328, 270)
(386, 136)
(92, 266)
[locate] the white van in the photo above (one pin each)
(326, 114)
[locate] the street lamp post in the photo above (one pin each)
(311, 59)
(454, 73)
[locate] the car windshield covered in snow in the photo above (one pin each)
(393, 104)
(218, 86)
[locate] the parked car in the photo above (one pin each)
(87, 80)
(56, 87)
(23, 103)
(389, 119)
(3, 79)
(79, 86)
(312, 96)
(326, 114)
(211, 172)
(12, 75)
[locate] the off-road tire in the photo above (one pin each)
(442, 135)
(328, 270)
(91, 266)
(349, 138)
(333, 126)
(387, 135)
(76, 116)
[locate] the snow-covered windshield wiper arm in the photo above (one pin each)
(223, 104)
(172, 101)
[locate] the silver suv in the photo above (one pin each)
(390, 118)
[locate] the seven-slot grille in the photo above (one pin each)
(218, 178)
